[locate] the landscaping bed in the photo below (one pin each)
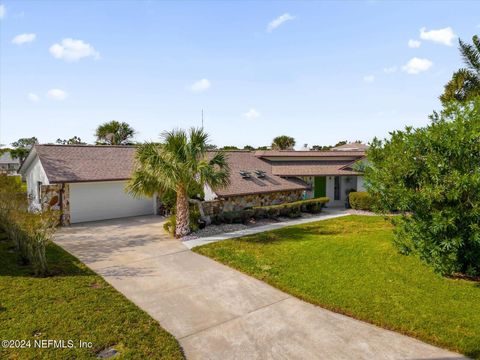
(212, 230)
(350, 266)
(73, 303)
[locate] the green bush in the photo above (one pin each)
(431, 175)
(292, 209)
(360, 200)
(30, 232)
(170, 224)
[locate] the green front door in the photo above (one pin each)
(320, 186)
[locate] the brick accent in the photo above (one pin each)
(236, 203)
(50, 196)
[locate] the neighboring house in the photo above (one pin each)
(8, 165)
(87, 182)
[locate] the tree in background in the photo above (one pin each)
(465, 83)
(432, 175)
(179, 164)
(249, 148)
(114, 133)
(22, 147)
(229, 147)
(328, 147)
(283, 142)
(72, 141)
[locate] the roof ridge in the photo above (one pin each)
(87, 145)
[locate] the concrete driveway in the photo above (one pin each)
(219, 313)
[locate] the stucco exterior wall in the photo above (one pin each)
(360, 184)
(33, 175)
(236, 203)
(346, 183)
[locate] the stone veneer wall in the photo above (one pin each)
(50, 200)
(236, 203)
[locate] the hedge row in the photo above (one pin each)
(360, 200)
(291, 210)
(30, 232)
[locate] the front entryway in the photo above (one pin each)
(320, 186)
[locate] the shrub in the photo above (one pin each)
(432, 176)
(170, 224)
(360, 200)
(30, 232)
(292, 209)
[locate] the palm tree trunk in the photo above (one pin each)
(182, 227)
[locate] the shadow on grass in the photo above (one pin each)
(60, 263)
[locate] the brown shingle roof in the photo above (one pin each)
(311, 170)
(351, 147)
(306, 154)
(80, 163)
(246, 161)
(77, 163)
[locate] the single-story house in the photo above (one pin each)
(8, 165)
(88, 182)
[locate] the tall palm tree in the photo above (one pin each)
(465, 83)
(114, 133)
(179, 163)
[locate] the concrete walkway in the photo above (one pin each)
(324, 215)
(218, 313)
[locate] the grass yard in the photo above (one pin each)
(75, 304)
(350, 266)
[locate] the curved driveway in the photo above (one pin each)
(219, 313)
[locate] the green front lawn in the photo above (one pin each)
(75, 304)
(349, 265)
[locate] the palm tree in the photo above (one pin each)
(114, 133)
(283, 142)
(465, 83)
(180, 163)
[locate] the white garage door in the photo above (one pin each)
(105, 200)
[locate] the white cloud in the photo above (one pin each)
(3, 11)
(57, 94)
(200, 85)
(33, 97)
(390, 70)
(23, 38)
(369, 79)
(442, 36)
(72, 50)
(414, 43)
(252, 114)
(417, 65)
(272, 25)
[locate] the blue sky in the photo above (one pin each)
(318, 71)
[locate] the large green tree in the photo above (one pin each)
(465, 83)
(114, 133)
(22, 147)
(180, 163)
(283, 142)
(432, 175)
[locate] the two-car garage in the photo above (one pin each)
(91, 201)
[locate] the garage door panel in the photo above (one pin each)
(105, 200)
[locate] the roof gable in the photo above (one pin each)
(81, 163)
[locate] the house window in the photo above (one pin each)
(39, 187)
(336, 189)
